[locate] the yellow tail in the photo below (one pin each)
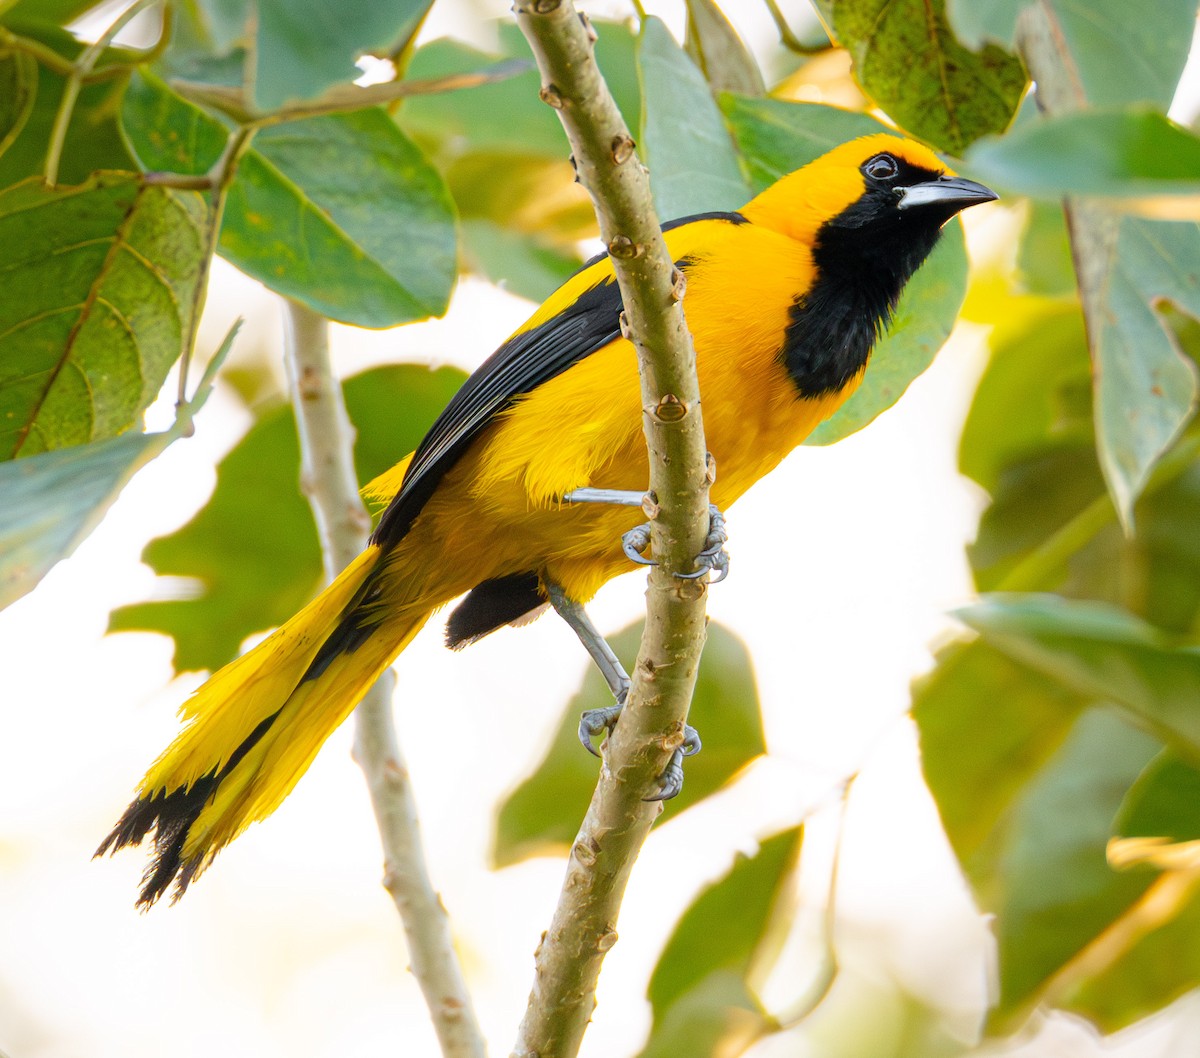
(255, 727)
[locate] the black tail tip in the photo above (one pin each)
(170, 817)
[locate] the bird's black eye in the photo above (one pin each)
(882, 167)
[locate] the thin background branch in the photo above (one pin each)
(330, 483)
(584, 925)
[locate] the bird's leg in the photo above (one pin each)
(713, 558)
(595, 721)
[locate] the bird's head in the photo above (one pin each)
(882, 190)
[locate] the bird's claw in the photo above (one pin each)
(635, 541)
(713, 558)
(670, 782)
(598, 721)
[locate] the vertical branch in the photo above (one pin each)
(330, 483)
(583, 928)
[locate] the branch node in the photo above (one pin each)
(552, 97)
(670, 408)
(710, 467)
(624, 247)
(592, 36)
(622, 149)
(650, 507)
(606, 940)
(626, 330)
(678, 284)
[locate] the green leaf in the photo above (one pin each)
(1058, 891)
(306, 46)
(1145, 387)
(100, 287)
(521, 264)
(979, 759)
(729, 922)
(50, 502)
(48, 12)
(541, 816)
(507, 116)
(1101, 652)
(684, 142)
(1154, 971)
(1050, 525)
(717, 1017)
(921, 324)
(715, 47)
(702, 989)
(1163, 803)
(375, 251)
(775, 137)
(93, 140)
(1120, 52)
(18, 90)
(908, 60)
(252, 549)
(1137, 155)
(1044, 258)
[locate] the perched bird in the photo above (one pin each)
(785, 299)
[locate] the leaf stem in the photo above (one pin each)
(618, 820)
(80, 70)
(331, 485)
(789, 39)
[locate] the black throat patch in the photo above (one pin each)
(863, 258)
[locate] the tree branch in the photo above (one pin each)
(330, 483)
(618, 819)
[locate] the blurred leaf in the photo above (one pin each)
(1163, 803)
(702, 990)
(908, 60)
(48, 12)
(52, 501)
(1154, 970)
(1102, 652)
(729, 922)
(1136, 155)
(521, 264)
(1145, 388)
(508, 117)
(18, 89)
(1044, 257)
(100, 285)
(716, 49)
(1058, 892)
(375, 251)
(541, 816)
(1121, 52)
(979, 759)
(776, 138)
(718, 1018)
(302, 47)
(1038, 363)
(1050, 525)
(684, 142)
(252, 548)
(93, 139)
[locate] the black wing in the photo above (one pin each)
(519, 366)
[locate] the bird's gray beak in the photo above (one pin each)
(955, 192)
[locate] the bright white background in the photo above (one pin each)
(845, 563)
